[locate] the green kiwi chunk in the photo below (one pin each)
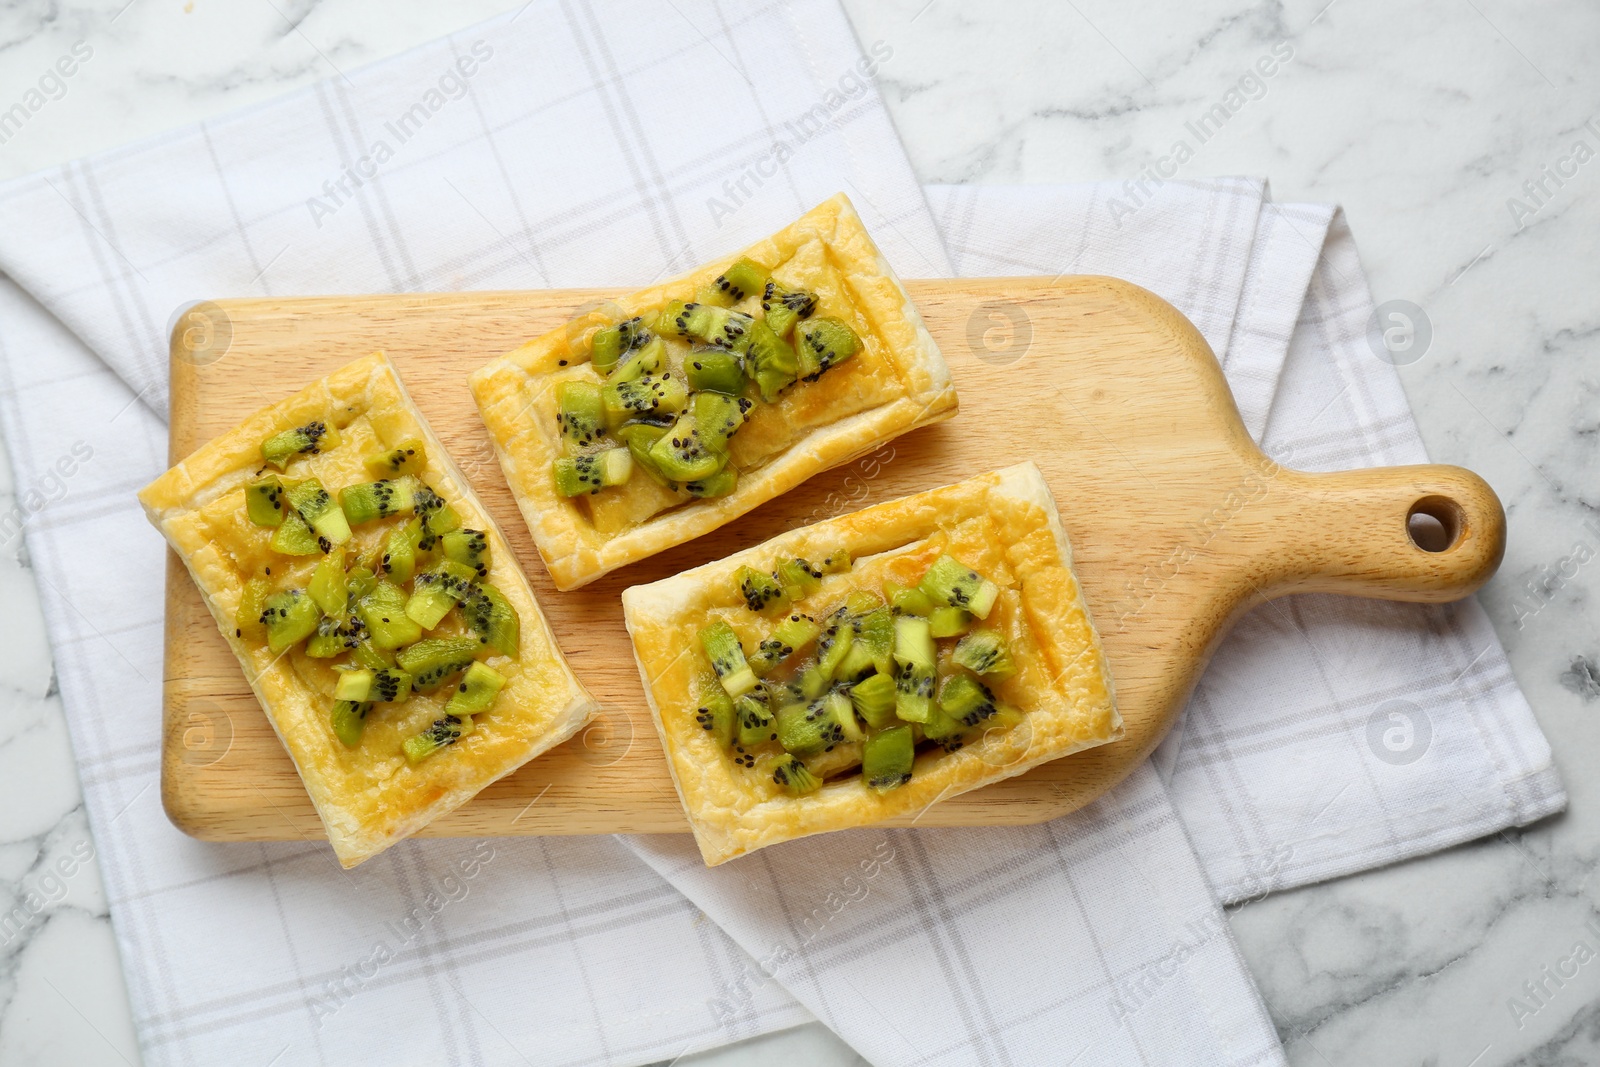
(639, 437)
(470, 548)
(874, 698)
(954, 584)
(744, 278)
(887, 758)
(757, 724)
(792, 634)
(807, 729)
(369, 501)
(348, 718)
(770, 360)
(581, 475)
(716, 715)
(913, 643)
(399, 559)
(984, 652)
(645, 397)
(290, 617)
(368, 655)
(783, 307)
(320, 511)
(708, 324)
(247, 620)
(491, 617)
(294, 537)
(579, 413)
(407, 457)
(726, 654)
(913, 694)
(720, 372)
(437, 516)
(328, 587)
(813, 683)
(949, 622)
(761, 591)
(965, 699)
(799, 578)
(263, 501)
(608, 344)
(391, 685)
(823, 343)
(871, 652)
(836, 562)
(353, 685)
(476, 691)
(434, 659)
(915, 654)
(335, 635)
(434, 592)
(718, 417)
(719, 484)
(837, 703)
(648, 358)
(309, 439)
(793, 776)
(907, 600)
(442, 734)
(682, 456)
(383, 611)
(834, 644)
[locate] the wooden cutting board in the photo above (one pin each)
(1179, 524)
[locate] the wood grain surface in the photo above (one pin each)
(1178, 522)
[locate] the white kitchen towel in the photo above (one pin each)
(531, 165)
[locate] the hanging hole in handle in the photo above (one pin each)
(1434, 524)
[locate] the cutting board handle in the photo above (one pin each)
(1428, 533)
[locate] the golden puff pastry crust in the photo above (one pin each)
(897, 383)
(1005, 525)
(368, 796)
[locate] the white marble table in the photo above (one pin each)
(1424, 121)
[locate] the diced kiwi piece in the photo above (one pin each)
(639, 437)
(720, 372)
(470, 548)
(716, 714)
(761, 591)
(476, 691)
(383, 610)
(794, 633)
(837, 703)
(647, 396)
(581, 475)
(913, 643)
(964, 698)
(953, 583)
(984, 652)
(407, 457)
(399, 559)
(608, 344)
(263, 501)
(368, 501)
(353, 685)
(913, 694)
(770, 360)
(438, 517)
(907, 600)
(756, 721)
(320, 510)
(793, 776)
(579, 413)
(719, 484)
(390, 685)
(943, 727)
(783, 307)
(836, 562)
(949, 622)
(247, 621)
(348, 719)
(806, 729)
(360, 581)
(824, 343)
(711, 325)
(682, 456)
(648, 358)
(874, 698)
(328, 587)
(435, 591)
(434, 659)
(744, 278)
(843, 757)
(335, 635)
(294, 537)
(813, 683)
(290, 617)
(442, 734)
(726, 654)
(370, 656)
(491, 617)
(872, 651)
(887, 758)
(718, 417)
(799, 578)
(834, 644)
(310, 439)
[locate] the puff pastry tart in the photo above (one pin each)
(647, 423)
(374, 605)
(870, 665)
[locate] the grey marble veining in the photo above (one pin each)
(1450, 134)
